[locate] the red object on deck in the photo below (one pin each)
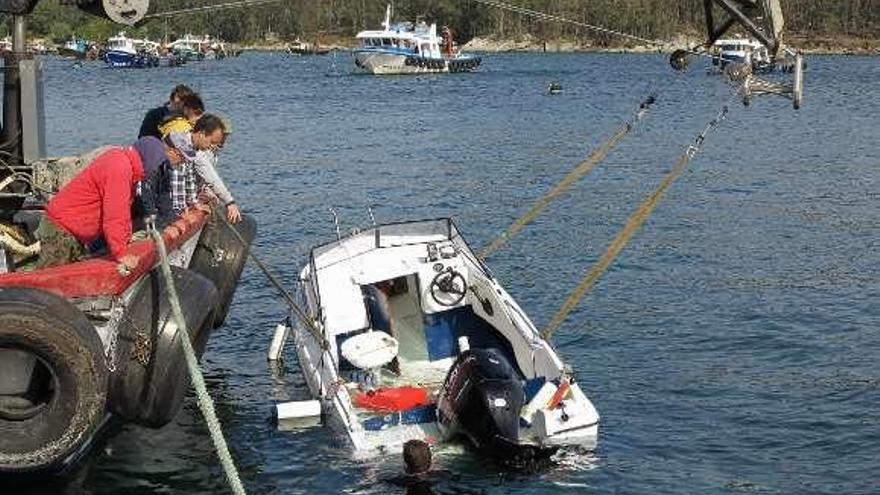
(393, 399)
(559, 394)
(99, 276)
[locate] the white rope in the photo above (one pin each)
(206, 405)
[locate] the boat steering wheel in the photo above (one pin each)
(448, 288)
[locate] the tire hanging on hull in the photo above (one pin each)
(151, 377)
(220, 257)
(53, 407)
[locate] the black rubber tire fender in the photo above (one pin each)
(71, 356)
(220, 257)
(151, 378)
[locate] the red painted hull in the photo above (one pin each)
(99, 276)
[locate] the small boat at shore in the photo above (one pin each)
(299, 47)
(741, 51)
(75, 48)
(412, 337)
(407, 48)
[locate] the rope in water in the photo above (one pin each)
(579, 171)
(636, 220)
(310, 325)
(206, 405)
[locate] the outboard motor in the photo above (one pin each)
(481, 398)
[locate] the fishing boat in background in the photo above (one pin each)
(407, 48)
(76, 48)
(741, 51)
(410, 336)
(125, 52)
(189, 47)
(299, 47)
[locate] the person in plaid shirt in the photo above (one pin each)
(208, 134)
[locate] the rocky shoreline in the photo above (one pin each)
(814, 45)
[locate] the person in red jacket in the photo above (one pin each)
(97, 203)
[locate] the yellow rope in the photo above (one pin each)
(632, 225)
(579, 171)
(15, 241)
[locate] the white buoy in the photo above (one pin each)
(298, 414)
(277, 345)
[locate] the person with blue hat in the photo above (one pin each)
(97, 203)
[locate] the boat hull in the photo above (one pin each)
(126, 60)
(377, 62)
(107, 341)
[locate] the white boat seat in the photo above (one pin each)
(369, 350)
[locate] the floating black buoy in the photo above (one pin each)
(679, 60)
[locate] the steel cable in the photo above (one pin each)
(636, 220)
(579, 171)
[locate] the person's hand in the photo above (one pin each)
(233, 214)
(127, 264)
(207, 196)
(150, 223)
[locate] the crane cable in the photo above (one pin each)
(208, 8)
(579, 171)
(636, 220)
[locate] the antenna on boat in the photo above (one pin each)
(336, 222)
(387, 23)
(372, 218)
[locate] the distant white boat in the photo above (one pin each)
(198, 47)
(741, 51)
(411, 337)
(407, 48)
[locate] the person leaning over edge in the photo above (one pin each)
(97, 203)
(206, 138)
(206, 168)
(191, 110)
(154, 118)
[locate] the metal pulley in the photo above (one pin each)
(127, 12)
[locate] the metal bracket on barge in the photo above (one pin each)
(763, 20)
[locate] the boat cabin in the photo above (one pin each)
(419, 283)
(739, 50)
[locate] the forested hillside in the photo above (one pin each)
(339, 19)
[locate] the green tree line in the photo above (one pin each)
(340, 19)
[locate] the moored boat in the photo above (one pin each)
(407, 48)
(411, 337)
(87, 344)
(742, 51)
(76, 48)
(125, 52)
(299, 47)
(189, 47)
(82, 342)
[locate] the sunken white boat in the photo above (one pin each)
(410, 336)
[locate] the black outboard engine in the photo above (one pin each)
(481, 399)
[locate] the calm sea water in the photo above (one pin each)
(732, 348)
